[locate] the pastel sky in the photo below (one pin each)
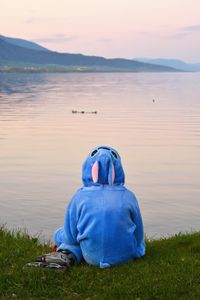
(110, 28)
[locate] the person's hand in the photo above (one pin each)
(53, 247)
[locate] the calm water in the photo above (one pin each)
(43, 145)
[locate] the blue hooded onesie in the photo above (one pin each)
(103, 223)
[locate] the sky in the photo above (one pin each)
(109, 28)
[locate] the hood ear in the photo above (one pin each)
(111, 174)
(95, 172)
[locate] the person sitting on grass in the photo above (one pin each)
(103, 224)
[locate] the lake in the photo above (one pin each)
(152, 119)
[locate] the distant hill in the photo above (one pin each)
(23, 43)
(14, 56)
(174, 63)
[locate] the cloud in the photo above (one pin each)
(194, 28)
(152, 34)
(104, 40)
(56, 38)
(44, 20)
(184, 32)
(179, 35)
(32, 20)
(167, 34)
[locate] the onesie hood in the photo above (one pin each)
(103, 166)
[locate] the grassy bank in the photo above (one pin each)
(170, 270)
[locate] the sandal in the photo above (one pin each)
(62, 258)
(37, 264)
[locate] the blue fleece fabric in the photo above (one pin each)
(103, 223)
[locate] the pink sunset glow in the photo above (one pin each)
(110, 28)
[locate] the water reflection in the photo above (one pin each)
(42, 144)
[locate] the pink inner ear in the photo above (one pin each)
(113, 174)
(95, 171)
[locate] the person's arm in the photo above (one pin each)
(66, 237)
(139, 231)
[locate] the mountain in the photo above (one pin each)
(23, 43)
(18, 58)
(173, 63)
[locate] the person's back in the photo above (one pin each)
(109, 225)
(103, 222)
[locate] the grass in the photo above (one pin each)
(170, 270)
